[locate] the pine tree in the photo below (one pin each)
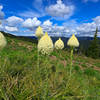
(94, 49)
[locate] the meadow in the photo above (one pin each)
(25, 75)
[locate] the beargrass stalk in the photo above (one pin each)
(71, 60)
(45, 47)
(39, 34)
(72, 42)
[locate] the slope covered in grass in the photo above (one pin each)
(25, 75)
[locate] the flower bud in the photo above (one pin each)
(59, 44)
(73, 41)
(39, 32)
(2, 41)
(45, 45)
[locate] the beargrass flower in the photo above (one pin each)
(39, 32)
(73, 42)
(2, 41)
(45, 45)
(59, 44)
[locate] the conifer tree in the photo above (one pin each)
(94, 49)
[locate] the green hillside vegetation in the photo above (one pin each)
(22, 77)
(94, 48)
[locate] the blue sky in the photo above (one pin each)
(57, 17)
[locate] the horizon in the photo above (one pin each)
(52, 36)
(60, 18)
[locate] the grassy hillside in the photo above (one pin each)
(25, 75)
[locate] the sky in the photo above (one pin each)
(57, 17)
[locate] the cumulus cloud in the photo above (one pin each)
(1, 12)
(60, 10)
(59, 31)
(72, 27)
(97, 20)
(13, 20)
(11, 29)
(65, 31)
(12, 24)
(88, 29)
(31, 23)
(47, 23)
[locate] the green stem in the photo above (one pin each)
(37, 69)
(38, 62)
(46, 80)
(71, 57)
(38, 56)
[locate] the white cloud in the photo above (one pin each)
(24, 33)
(87, 27)
(97, 21)
(1, 27)
(71, 24)
(11, 24)
(30, 14)
(60, 10)
(11, 29)
(31, 23)
(59, 31)
(47, 23)
(1, 7)
(67, 30)
(13, 20)
(1, 12)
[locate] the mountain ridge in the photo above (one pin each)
(84, 41)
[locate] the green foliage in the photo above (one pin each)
(94, 49)
(21, 79)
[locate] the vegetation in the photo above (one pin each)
(23, 78)
(94, 49)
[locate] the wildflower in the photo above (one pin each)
(45, 45)
(73, 42)
(39, 32)
(59, 44)
(2, 41)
